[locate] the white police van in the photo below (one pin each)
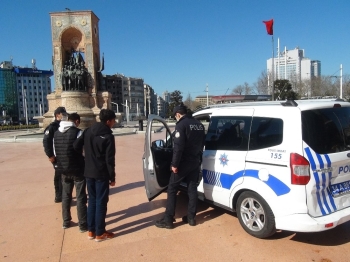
(278, 165)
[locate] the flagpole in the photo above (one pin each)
(273, 71)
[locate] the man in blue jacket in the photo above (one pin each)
(99, 147)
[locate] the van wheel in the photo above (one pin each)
(255, 215)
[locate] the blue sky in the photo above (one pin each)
(186, 44)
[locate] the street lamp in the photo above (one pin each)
(116, 105)
(127, 111)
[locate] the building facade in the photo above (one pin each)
(204, 100)
(8, 92)
(293, 66)
(113, 84)
(24, 90)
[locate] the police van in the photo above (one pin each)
(278, 165)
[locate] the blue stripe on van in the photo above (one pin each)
(226, 180)
(323, 175)
(313, 167)
(329, 164)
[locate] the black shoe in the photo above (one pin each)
(58, 200)
(66, 225)
(190, 221)
(164, 224)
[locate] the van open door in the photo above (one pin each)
(157, 156)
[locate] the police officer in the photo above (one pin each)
(188, 137)
(49, 150)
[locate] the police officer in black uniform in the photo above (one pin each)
(49, 150)
(188, 137)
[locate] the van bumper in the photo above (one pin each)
(306, 223)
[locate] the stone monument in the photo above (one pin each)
(77, 67)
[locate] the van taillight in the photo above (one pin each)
(300, 169)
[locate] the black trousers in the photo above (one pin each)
(190, 172)
(68, 182)
(57, 181)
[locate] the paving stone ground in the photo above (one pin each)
(31, 223)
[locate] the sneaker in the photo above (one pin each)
(165, 224)
(104, 236)
(66, 225)
(58, 200)
(91, 235)
(82, 229)
(190, 221)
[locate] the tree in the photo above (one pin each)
(175, 99)
(192, 105)
(238, 90)
(283, 90)
(262, 84)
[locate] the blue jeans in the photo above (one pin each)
(98, 190)
(68, 182)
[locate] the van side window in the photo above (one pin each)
(228, 133)
(266, 132)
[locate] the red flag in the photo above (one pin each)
(269, 26)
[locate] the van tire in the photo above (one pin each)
(262, 223)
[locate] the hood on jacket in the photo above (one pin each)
(65, 125)
(100, 129)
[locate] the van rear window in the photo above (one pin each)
(327, 130)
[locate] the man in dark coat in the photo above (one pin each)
(99, 147)
(49, 150)
(71, 165)
(188, 137)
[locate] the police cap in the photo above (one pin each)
(181, 109)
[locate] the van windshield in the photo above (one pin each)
(327, 130)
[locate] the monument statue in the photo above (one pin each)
(74, 74)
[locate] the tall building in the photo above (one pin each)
(166, 96)
(162, 106)
(315, 68)
(293, 66)
(133, 96)
(150, 100)
(113, 84)
(24, 90)
(8, 94)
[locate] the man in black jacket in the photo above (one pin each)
(70, 164)
(49, 150)
(99, 147)
(188, 137)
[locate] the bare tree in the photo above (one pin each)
(262, 84)
(238, 90)
(247, 89)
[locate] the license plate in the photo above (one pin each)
(340, 189)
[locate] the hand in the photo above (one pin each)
(174, 169)
(52, 159)
(112, 183)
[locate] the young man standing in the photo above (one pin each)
(70, 164)
(49, 151)
(99, 147)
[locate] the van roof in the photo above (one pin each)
(301, 104)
